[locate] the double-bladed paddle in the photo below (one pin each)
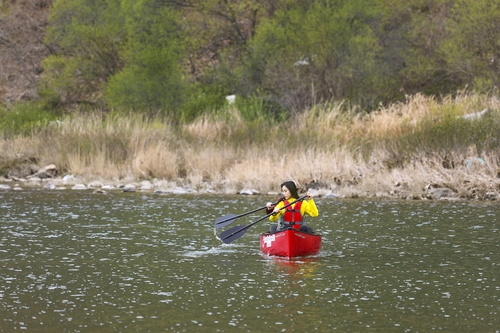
(228, 219)
(234, 233)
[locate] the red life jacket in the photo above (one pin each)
(292, 215)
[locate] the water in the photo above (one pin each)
(131, 262)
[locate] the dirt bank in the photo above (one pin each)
(22, 29)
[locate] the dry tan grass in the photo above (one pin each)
(155, 160)
(255, 169)
(150, 147)
(210, 127)
(208, 161)
(326, 147)
(16, 148)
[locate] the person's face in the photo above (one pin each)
(286, 192)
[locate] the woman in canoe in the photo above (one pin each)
(293, 215)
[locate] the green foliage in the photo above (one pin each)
(472, 45)
(60, 80)
(202, 99)
(412, 32)
(450, 133)
(257, 109)
(4, 7)
(180, 58)
(152, 79)
(24, 119)
(87, 36)
(326, 52)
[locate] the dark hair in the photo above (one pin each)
(290, 185)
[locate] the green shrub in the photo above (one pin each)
(256, 109)
(202, 99)
(443, 136)
(24, 119)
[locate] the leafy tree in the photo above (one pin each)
(182, 56)
(219, 31)
(152, 79)
(86, 36)
(318, 51)
(422, 30)
(471, 49)
(217, 37)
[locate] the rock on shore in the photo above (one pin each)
(47, 178)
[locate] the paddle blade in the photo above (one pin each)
(233, 234)
(225, 220)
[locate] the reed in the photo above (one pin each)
(396, 151)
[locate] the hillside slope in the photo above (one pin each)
(22, 28)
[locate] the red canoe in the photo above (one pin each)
(290, 243)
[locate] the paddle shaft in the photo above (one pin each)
(251, 224)
(244, 214)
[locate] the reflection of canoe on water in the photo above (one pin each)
(290, 243)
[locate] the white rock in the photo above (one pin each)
(129, 188)
(49, 186)
(95, 184)
(34, 180)
(69, 179)
(180, 190)
(146, 185)
(247, 191)
(48, 171)
(314, 192)
(330, 195)
(476, 115)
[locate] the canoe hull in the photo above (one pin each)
(290, 243)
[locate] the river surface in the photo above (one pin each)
(74, 261)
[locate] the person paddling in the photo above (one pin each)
(270, 206)
(294, 215)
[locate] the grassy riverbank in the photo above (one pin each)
(400, 151)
